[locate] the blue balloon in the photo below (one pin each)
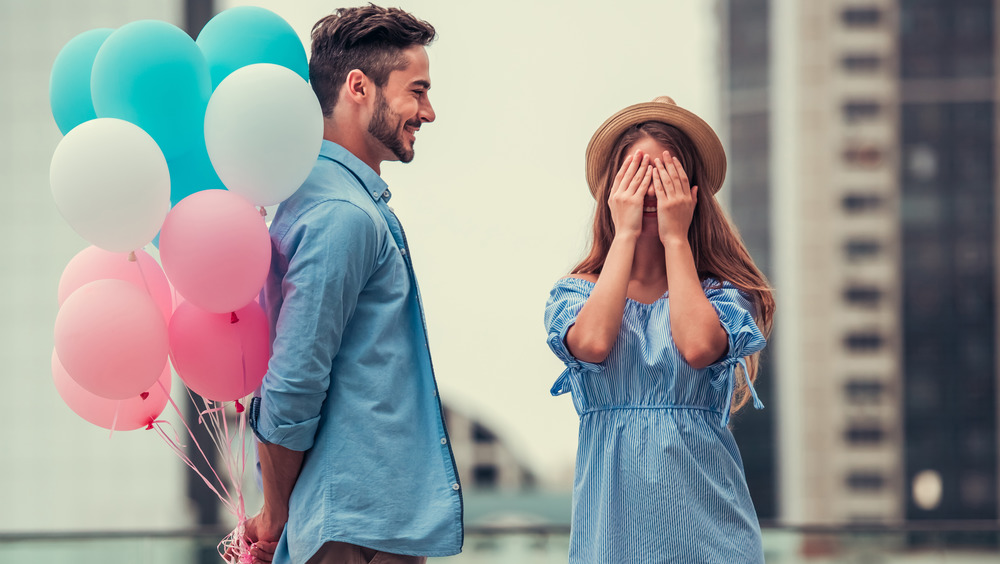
(153, 74)
(69, 84)
(192, 172)
(248, 35)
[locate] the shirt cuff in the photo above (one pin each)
(293, 436)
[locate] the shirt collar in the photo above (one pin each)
(373, 184)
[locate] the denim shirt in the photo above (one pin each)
(350, 379)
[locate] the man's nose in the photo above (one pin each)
(427, 112)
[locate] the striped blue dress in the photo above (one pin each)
(658, 475)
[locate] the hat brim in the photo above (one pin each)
(705, 141)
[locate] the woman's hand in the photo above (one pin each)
(675, 198)
(627, 193)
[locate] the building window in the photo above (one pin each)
(857, 203)
(865, 296)
(861, 63)
(864, 391)
(485, 475)
(865, 433)
(861, 249)
(864, 341)
(863, 155)
(866, 480)
(861, 17)
(860, 110)
(482, 435)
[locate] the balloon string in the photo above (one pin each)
(160, 423)
(142, 274)
(193, 438)
(213, 419)
(234, 548)
(179, 451)
(114, 420)
(243, 362)
(201, 416)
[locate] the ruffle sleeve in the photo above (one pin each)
(565, 302)
(735, 312)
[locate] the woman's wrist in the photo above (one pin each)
(626, 236)
(676, 240)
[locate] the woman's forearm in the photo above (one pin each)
(694, 323)
(596, 329)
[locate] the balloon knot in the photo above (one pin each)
(144, 395)
(263, 212)
(239, 407)
(149, 426)
(131, 256)
(233, 318)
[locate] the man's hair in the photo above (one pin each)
(368, 38)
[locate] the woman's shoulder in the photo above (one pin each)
(585, 276)
(574, 284)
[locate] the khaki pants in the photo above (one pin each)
(344, 553)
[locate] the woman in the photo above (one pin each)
(660, 327)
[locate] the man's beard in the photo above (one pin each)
(382, 128)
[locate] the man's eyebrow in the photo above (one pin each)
(422, 83)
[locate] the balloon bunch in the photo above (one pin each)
(185, 139)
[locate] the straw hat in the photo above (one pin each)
(662, 109)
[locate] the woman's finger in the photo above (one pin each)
(637, 158)
(640, 192)
(616, 185)
(663, 176)
(657, 183)
(638, 175)
(675, 182)
(682, 174)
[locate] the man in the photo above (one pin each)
(354, 456)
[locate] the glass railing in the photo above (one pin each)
(968, 542)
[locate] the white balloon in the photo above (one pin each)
(263, 131)
(111, 183)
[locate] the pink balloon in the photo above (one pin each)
(95, 263)
(216, 250)
(218, 359)
(136, 412)
(112, 339)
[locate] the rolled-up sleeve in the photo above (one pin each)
(565, 301)
(330, 251)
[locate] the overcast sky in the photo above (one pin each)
(495, 203)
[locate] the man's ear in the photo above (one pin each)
(358, 86)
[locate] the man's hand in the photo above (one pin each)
(262, 533)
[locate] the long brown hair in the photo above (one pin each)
(717, 247)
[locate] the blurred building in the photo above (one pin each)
(499, 487)
(484, 461)
(862, 142)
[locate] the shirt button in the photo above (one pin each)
(455, 486)
(402, 251)
(444, 440)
